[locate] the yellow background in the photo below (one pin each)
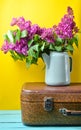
(13, 74)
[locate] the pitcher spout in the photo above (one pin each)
(46, 59)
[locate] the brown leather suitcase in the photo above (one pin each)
(48, 105)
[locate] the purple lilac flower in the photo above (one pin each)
(48, 35)
(21, 47)
(26, 25)
(35, 29)
(70, 11)
(67, 27)
(32, 29)
(13, 22)
(21, 23)
(5, 47)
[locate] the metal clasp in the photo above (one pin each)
(48, 104)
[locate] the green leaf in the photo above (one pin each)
(24, 33)
(69, 47)
(33, 54)
(43, 46)
(71, 52)
(6, 37)
(70, 41)
(28, 61)
(28, 64)
(58, 48)
(10, 36)
(36, 37)
(34, 60)
(18, 35)
(20, 56)
(30, 42)
(17, 56)
(75, 40)
(13, 55)
(31, 60)
(35, 47)
(51, 47)
(59, 40)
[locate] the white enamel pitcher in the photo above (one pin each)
(58, 68)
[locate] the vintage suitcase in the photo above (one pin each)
(47, 105)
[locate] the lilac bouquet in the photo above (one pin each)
(29, 41)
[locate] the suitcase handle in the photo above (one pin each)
(67, 112)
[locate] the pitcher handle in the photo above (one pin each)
(70, 58)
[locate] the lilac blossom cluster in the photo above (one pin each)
(44, 33)
(21, 47)
(67, 28)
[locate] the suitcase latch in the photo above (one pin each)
(48, 103)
